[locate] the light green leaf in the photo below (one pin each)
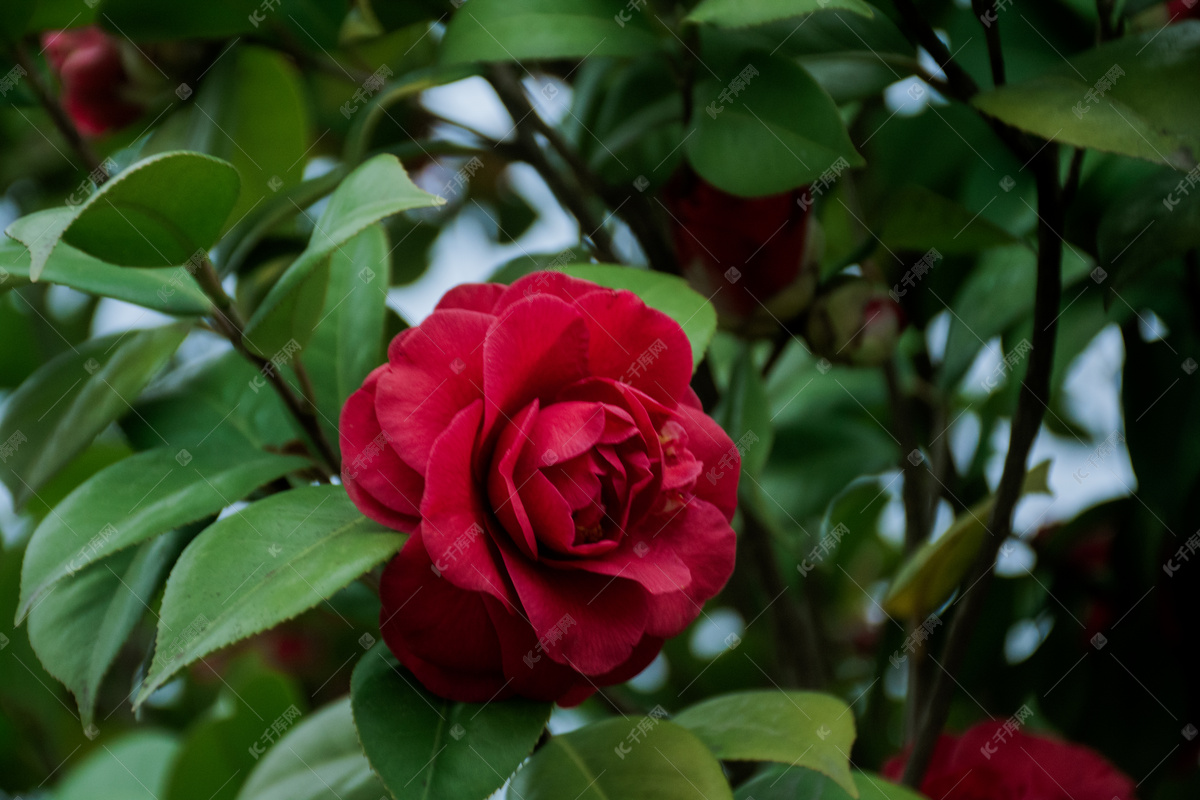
(152, 288)
(743, 13)
(133, 767)
(138, 498)
(614, 759)
(932, 573)
(783, 783)
(59, 409)
(155, 213)
(800, 728)
(516, 30)
(443, 750)
(347, 337)
(374, 191)
(669, 294)
(780, 132)
(1148, 112)
(259, 567)
(319, 759)
(79, 627)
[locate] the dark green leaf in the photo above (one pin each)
(259, 567)
(783, 783)
(917, 218)
(743, 13)
(57, 412)
(443, 750)
(745, 413)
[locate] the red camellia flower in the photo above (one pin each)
(569, 501)
(1178, 10)
(751, 248)
(88, 61)
(989, 762)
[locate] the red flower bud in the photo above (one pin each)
(1179, 10)
(855, 323)
(750, 251)
(94, 81)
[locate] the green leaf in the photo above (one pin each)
(516, 30)
(1149, 112)
(222, 747)
(59, 409)
(616, 759)
(375, 190)
(799, 728)
(443, 750)
(78, 629)
(138, 498)
(780, 132)
(319, 759)
(783, 783)
(155, 213)
(917, 218)
(669, 294)
(259, 567)
(133, 767)
(151, 288)
(744, 13)
(1150, 223)
(347, 339)
(746, 412)
(932, 573)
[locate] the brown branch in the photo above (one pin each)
(1031, 406)
(228, 322)
(61, 121)
(961, 84)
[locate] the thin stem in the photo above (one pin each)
(228, 322)
(961, 83)
(1031, 405)
(985, 10)
(61, 121)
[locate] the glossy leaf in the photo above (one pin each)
(138, 498)
(668, 293)
(743, 13)
(516, 30)
(916, 218)
(79, 627)
(132, 767)
(784, 783)
(443, 750)
(932, 573)
(58, 410)
(780, 132)
(374, 191)
(615, 759)
(1148, 112)
(804, 729)
(259, 567)
(319, 759)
